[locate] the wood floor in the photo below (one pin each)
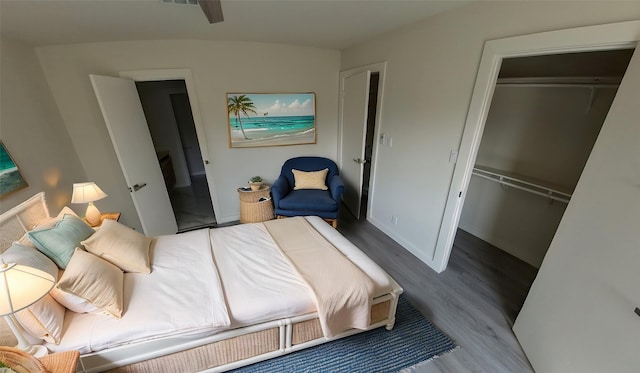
(475, 301)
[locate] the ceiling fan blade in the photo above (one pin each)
(212, 9)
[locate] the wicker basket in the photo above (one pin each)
(20, 361)
(252, 210)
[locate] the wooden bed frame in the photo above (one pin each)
(223, 351)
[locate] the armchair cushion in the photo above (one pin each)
(309, 199)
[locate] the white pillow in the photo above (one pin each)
(95, 281)
(121, 246)
(42, 320)
(73, 302)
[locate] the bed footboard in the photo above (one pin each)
(244, 346)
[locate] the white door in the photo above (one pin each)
(127, 126)
(355, 100)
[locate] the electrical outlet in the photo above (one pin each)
(383, 139)
(390, 141)
(394, 220)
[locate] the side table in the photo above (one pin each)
(252, 209)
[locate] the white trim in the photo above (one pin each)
(380, 68)
(582, 39)
(186, 75)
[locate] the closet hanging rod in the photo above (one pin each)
(557, 85)
(524, 185)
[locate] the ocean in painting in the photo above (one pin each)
(10, 178)
(273, 127)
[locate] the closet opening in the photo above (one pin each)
(372, 109)
(168, 112)
(545, 117)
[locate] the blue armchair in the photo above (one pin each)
(303, 202)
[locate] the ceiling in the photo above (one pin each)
(335, 24)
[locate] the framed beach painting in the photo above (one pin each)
(271, 119)
(10, 178)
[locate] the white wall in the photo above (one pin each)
(543, 133)
(431, 69)
(217, 68)
(32, 130)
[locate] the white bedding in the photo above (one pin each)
(260, 284)
(182, 295)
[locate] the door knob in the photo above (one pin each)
(359, 161)
(137, 187)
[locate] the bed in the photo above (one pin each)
(218, 299)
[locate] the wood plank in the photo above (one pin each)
(475, 301)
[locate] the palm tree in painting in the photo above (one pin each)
(238, 105)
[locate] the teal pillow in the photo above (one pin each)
(60, 241)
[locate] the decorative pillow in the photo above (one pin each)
(47, 223)
(59, 241)
(310, 179)
(73, 302)
(95, 280)
(121, 246)
(43, 319)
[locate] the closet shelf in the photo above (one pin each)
(585, 82)
(527, 184)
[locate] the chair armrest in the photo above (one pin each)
(279, 189)
(336, 187)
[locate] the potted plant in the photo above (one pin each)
(255, 182)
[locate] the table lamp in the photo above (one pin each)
(87, 193)
(20, 287)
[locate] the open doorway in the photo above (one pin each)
(168, 112)
(372, 110)
(544, 119)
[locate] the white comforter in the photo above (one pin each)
(187, 297)
(181, 296)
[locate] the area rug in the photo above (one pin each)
(412, 341)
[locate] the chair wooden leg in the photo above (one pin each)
(333, 222)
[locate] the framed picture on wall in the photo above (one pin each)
(271, 119)
(10, 178)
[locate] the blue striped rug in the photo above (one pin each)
(413, 340)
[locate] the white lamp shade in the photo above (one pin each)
(22, 286)
(86, 192)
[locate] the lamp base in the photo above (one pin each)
(35, 350)
(92, 215)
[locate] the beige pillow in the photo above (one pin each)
(121, 246)
(94, 280)
(310, 179)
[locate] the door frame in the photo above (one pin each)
(583, 39)
(186, 75)
(380, 68)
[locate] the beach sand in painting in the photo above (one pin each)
(307, 137)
